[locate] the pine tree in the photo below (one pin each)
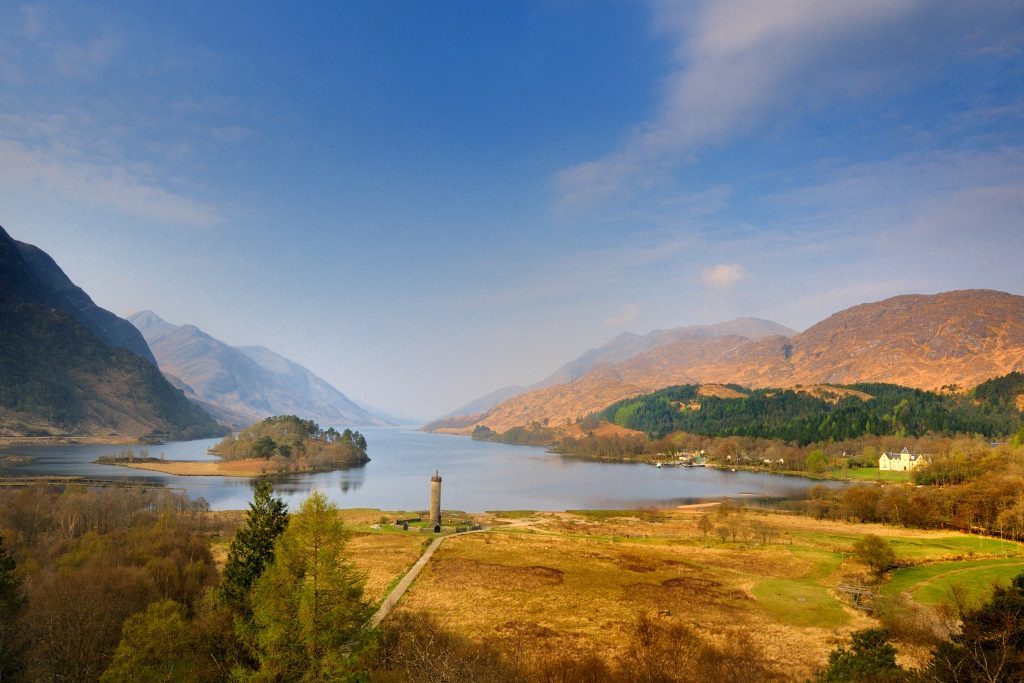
(307, 607)
(252, 549)
(870, 659)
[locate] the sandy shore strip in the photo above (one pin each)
(699, 506)
(206, 468)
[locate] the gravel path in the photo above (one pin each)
(396, 594)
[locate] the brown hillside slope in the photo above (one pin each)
(926, 341)
(962, 337)
(561, 403)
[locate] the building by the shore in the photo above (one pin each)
(904, 461)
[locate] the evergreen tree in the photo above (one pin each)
(252, 549)
(307, 606)
(870, 659)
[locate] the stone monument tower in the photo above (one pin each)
(435, 500)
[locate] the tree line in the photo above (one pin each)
(799, 417)
(533, 434)
(120, 585)
(78, 562)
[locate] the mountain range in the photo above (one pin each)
(243, 384)
(926, 341)
(621, 348)
(70, 368)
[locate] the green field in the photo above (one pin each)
(799, 603)
(924, 547)
(869, 474)
(932, 583)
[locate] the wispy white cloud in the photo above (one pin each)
(723, 276)
(736, 60)
(38, 40)
(131, 146)
(102, 186)
(918, 222)
(740, 63)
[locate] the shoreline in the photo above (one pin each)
(666, 461)
(247, 468)
(837, 475)
(67, 440)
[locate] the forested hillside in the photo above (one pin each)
(991, 409)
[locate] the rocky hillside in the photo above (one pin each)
(962, 337)
(245, 384)
(923, 341)
(65, 363)
(617, 350)
(628, 345)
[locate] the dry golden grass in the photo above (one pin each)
(831, 393)
(565, 583)
(384, 558)
(546, 584)
(570, 593)
(719, 391)
(252, 467)
(603, 429)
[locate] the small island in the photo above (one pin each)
(281, 444)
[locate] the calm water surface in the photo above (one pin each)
(477, 476)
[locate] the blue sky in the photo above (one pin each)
(425, 201)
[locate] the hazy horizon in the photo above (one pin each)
(424, 203)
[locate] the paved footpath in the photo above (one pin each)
(396, 594)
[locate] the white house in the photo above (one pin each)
(904, 461)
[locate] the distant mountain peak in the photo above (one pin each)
(146, 318)
(626, 345)
(621, 348)
(249, 381)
